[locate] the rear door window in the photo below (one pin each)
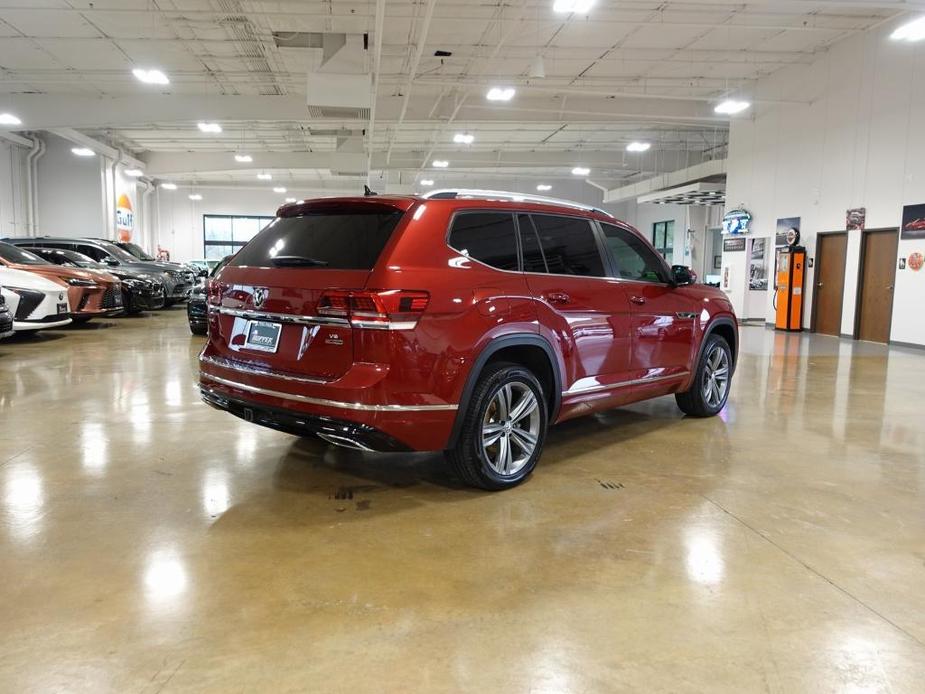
(343, 239)
(569, 245)
(488, 237)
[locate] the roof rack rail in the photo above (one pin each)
(453, 193)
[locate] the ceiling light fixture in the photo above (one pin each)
(243, 158)
(134, 173)
(9, 119)
(572, 5)
(537, 68)
(911, 31)
(291, 200)
(427, 181)
(500, 94)
(150, 76)
(581, 171)
(83, 151)
(463, 138)
(730, 107)
(195, 196)
(265, 177)
(210, 127)
(440, 163)
(638, 147)
(542, 187)
(168, 186)
(279, 189)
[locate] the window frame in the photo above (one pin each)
(664, 224)
(489, 210)
(235, 245)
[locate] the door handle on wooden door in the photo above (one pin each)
(558, 297)
(638, 300)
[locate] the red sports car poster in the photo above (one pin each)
(913, 222)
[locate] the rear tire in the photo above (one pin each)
(712, 380)
(196, 330)
(503, 431)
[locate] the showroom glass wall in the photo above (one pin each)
(224, 234)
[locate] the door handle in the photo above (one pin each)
(558, 298)
(638, 300)
(819, 284)
(890, 288)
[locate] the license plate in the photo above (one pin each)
(263, 335)
(117, 299)
(62, 308)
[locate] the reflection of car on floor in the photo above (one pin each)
(35, 302)
(90, 294)
(463, 321)
(141, 291)
(6, 319)
(196, 307)
(915, 225)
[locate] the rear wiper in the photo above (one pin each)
(297, 261)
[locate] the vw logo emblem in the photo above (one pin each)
(260, 295)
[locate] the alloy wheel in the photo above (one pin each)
(715, 376)
(511, 428)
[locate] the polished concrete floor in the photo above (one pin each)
(151, 544)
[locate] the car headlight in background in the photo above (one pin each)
(76, 282)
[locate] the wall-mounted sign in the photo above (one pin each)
(785, 227)
(733, 245)
(736, 221)
(913, 222)
(125, 218)
(855, 219)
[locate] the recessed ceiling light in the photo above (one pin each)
(9, 119)
(264, 177)
(279, 189)
(150, 76)
(581, 171)
(427, 181)
(195, 196)
(290, 200)
(500, 94)
(168, 186)
(440, 163)
(243, 158)
(134, 173)
(210, 127)
(463, 138)
(542, 187)
(638, 147)
(83, 151)
(730, 107)
(911, 31)
(572, 5)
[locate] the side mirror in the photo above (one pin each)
(682, 275)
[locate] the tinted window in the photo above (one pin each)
(634, 260)
(530, 246)
(488, 237)
(12, 254)
(97, 254)
(569, 246)
(343, 239)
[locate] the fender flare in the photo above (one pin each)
(710, 329)
(493, 347)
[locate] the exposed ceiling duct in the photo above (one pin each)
(338, 81)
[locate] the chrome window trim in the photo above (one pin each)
(625, 384)
(281, 317)
(324, 402)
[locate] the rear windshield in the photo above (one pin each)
(338, 240)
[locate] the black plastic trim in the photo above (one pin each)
(711, 328)
(515, 340)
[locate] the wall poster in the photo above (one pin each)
(784, 225)
(913, 222)
(855, 219)
(758, 266)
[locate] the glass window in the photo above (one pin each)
(343, 238)
(488, 237)
(243, 229)
(632, 258)
(663, 238)
(216, 228)
(569, 245)
(14, 254)
(229, 232)
(98, 254)
(214, 252)
(530, 246)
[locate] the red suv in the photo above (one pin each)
(464, 322)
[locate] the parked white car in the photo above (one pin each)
(35, 302)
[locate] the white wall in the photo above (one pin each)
(70, 192)
(858, 141)
(12, 189)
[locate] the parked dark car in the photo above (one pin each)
(6, 319)
(142, 291)
(196, 308)
(140, 253)
(177, 282)
(467, 322)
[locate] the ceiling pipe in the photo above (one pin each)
(31, 187)
(377, 58)
(111, 224)
(35, 186)
(148, 216)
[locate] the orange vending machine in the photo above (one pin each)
(791, 263)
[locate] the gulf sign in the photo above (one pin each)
(125, 218)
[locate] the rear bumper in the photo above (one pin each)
(337, 431)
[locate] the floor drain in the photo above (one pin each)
(611, 485)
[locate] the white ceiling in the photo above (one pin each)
(629, 70)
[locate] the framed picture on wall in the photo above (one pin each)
(717, 262)
(913, 222)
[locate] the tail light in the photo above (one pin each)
(391, 309)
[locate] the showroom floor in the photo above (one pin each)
(151, 544)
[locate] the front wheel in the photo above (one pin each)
(503, 430)
(710, 389)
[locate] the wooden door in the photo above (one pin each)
(878, 273)
(830, 283)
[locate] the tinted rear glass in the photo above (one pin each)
(569, 245)
(488, 237)
(348, 240)
(12, 254)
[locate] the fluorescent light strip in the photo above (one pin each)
(911, 31)
(168, 186)
(150, 76)
(730, 107)
(195, 196)
(463, 138)
(440, 163)
(638, 147)
(83, 151)
(265, 177)
(210, 127)
(243, 158)
(581, 171)
(500, 94)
